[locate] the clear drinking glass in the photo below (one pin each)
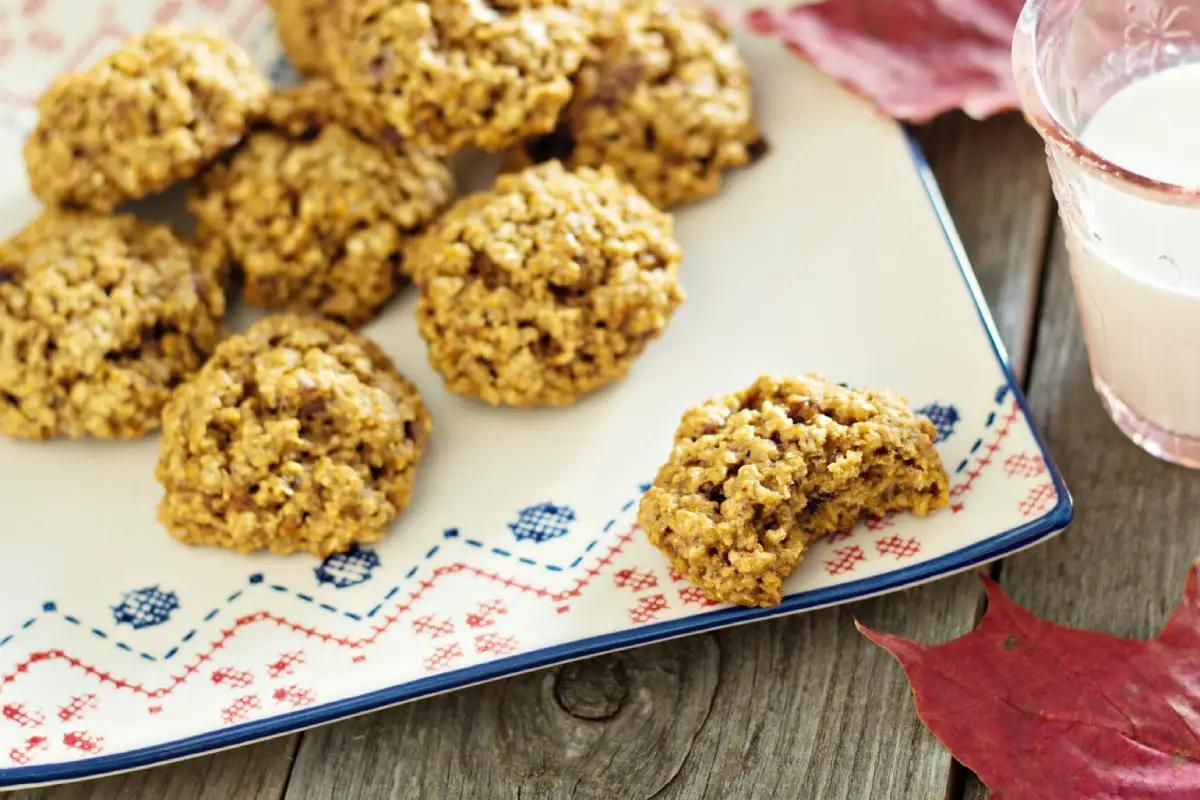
(1132, 223)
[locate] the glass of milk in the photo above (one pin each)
(1113, 86)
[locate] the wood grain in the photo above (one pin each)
(796, 708)
(1121, 565)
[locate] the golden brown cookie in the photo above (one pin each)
(545, 288)
(316, 217)
(667, 104)
(302, 26)
(297, 436)
(100, 319)
(459, 73)
(144, 117)
(757, 475)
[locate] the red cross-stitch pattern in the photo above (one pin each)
(485, 614)
(233, 678)
(294, 696)
(443, 657)
(432, 627)
(286, 664)
(676, 577)
(82, 740)
(876, 524)
(693, 595)
(240, 709)
(984, 454)
(647, 608)
(846, 560)
(496, 644)
(635, 580)
(95, 31)
(389, 619)
(77, 707)
(167, 12)
(1023, 465)
(26, 718)
(898, 547)
(24, 754)
(1039, 499)
(44, 43)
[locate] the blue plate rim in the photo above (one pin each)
(973, 555)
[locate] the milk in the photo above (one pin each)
(1136, 263)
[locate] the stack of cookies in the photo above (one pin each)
(322, 200)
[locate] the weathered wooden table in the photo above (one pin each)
(800, 707)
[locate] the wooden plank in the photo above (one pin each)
(258, 772)
(799, 707)
(1121, 565)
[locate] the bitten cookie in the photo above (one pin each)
(144, 117)
(100, 319)
(545, 288)
(667, 104)
(315, 216)
(297, 436)
(459, 73)
(756, 476)
(302, 26)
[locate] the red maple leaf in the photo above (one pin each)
(1040, 710)
(914, 58)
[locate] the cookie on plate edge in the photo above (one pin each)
(755, 477)
(101, 317)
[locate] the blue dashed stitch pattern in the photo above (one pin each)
(145, 608)
(343, 570)
(542, 522)
(257, 579)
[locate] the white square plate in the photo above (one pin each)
(121, 648)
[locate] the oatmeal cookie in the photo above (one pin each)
(667, 104)
(545, 288)
(100, 318)
(144, 117)
(757, 476)
(297, 436)
(459, 73)
(301, 111)
(302, 26)
(316, 217)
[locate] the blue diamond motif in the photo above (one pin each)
(145, 608)
(944, 418)
(349, 568)
(542, 522)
